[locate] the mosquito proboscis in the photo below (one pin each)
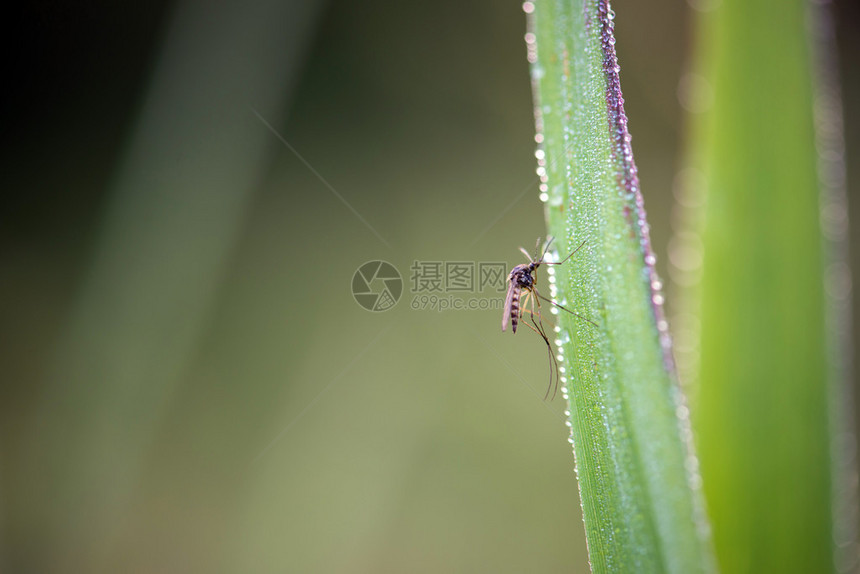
(523, 278)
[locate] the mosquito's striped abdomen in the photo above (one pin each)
(515, 310)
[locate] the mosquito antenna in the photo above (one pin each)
(575, 251)
(549, 241)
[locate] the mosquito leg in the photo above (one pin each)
(539, 329)
(563, 308)
(549, 346)
(532, 300)
(525, 301)
(553, 366)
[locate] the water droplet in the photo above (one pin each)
(696, 482)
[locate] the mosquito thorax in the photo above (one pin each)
(522, 275)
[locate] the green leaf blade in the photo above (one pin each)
(638, 485)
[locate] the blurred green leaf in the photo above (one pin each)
(636, 471)
(761, 399)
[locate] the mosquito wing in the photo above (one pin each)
(509, 301)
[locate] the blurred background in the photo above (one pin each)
(188, 384)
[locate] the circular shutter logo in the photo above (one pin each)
(377, 286)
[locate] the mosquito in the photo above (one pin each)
(523, 277)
